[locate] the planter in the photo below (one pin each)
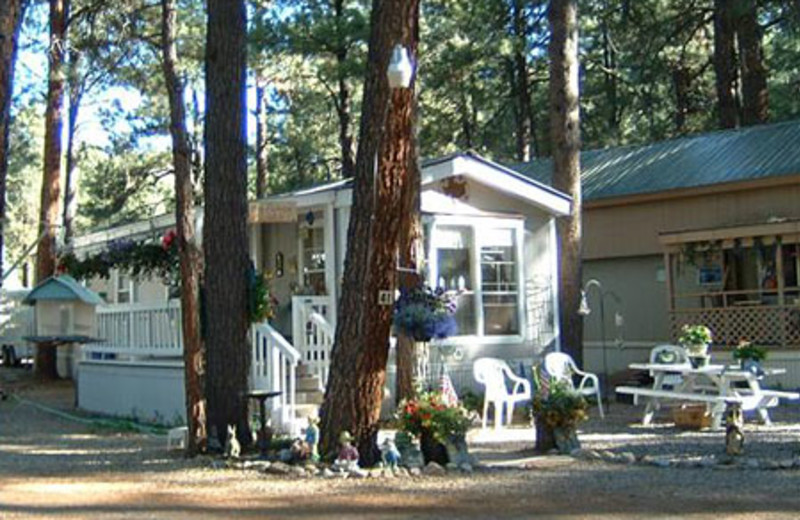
(433, 450)
(698, 361)
(691, 417)
(697, 350)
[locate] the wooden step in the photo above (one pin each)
(302, 411)
(308, 384)
(315, 397)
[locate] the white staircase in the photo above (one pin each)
(299, 372)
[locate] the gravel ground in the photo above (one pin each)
(52, 467)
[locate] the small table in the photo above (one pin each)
(264, 433)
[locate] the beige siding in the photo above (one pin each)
(632, 229)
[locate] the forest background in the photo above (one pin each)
(650, 70)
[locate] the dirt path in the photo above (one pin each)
(51, 467)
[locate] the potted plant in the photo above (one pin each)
(557, 411)
(436, 424)
(696, 339)
(424, 314)
(747, 354)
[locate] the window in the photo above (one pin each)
(479, 258)
(124, 286)
(312, 251)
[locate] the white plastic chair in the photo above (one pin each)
(561, 367)
(669, 355)
(492, 373)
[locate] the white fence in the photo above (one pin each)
(274, 368)
(139, 330)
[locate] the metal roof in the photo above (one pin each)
(64, 288)
(725, 156)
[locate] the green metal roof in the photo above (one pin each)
(726, 156)
(64, 288)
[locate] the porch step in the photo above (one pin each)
(302, 411)
(315, 397)
(308, 383)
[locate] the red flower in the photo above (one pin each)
(168, 239)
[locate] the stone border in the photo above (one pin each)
(724, 462)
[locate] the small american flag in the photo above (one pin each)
(449, 396)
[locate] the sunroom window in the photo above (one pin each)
(479, 260)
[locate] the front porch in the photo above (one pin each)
(740, 281)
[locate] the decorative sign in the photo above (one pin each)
(455, 187)
(272, 212)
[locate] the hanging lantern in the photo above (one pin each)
(400, 69)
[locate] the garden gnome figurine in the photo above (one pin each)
(389, 454)
(734, 437)
(312, 437)
(348, 454)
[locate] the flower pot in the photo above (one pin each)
(698, 361)
(697, 350)
(433, 450)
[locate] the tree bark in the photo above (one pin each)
(565, 136)
(358, 361)
(410, 247)
(11, 14)
(188, 250)
(225, 228)
(75, 98)
(522, 90)
(681, 83)
(343, 104)
(45, 362)
(725, 64)
(755, 96)
(262, 138)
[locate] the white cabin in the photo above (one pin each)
(489, 232)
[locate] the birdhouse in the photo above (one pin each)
(64, 309)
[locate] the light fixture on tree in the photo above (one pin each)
(400, 68)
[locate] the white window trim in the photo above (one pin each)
(480, 226)
(320, 225)
(131, 290)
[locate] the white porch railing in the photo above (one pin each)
(139, 330)
(274, 368)
(313, 333)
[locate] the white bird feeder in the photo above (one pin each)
(400, 68)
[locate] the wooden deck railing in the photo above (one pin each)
(770, 325)
(139, 330)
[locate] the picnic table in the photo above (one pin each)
(714, 385)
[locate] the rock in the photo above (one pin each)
(327, 473)
(585, 454)
(401, 472)
(707, 462)
(298, 471)
(627, 457)
(451, 466)
(279, 468)
(466, 468)
(434, 470)
(359, 473)
(752, 463)
(553, 452)
(414, 471)
(660, 463)
(772, 464)
(218, 464)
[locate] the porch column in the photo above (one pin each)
(255, 245)
(330, 260)
(779, 272)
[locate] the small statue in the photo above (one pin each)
(389, 454)
(348, 454)
(301, 451)
(734, 437)
(232, 446)
(312, 438)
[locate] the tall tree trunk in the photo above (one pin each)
(358, 363)
(75, 98)
(610, 79)
(523, 96)
(188, 250)
(681, 83)
(262, 137)
(45, 362)
(11, 14)
(225, 229)
(410, 248)
(566, 139)
(725, 64)
(755, 97)
(343, 104)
